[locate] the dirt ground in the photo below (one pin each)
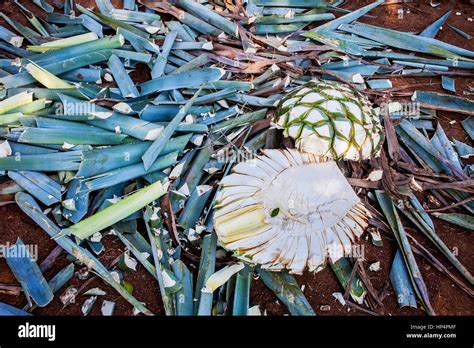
(446, 298)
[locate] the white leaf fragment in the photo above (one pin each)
(338, 296)
(375, 267)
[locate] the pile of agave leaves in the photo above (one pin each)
(86, 152)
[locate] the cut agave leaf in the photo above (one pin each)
(400, 279)
(343, 270)
(437, 101)
(463, 220)
(28, 274)
(45, 77)
(395, 223)
(117, 211)
(242, 292)
(28, 205)
(7, 310)
(286, 288)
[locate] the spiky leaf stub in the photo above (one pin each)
(288, 210)
(331, 120)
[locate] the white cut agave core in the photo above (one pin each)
(331, 120)
(288, 210)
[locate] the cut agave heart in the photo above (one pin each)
(329, 119)
(288, 210)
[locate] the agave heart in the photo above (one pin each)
(288, 209)
(329, 119)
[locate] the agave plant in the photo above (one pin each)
(267, 217)
(330, 119)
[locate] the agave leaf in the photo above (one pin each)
(422, 65)
(468, 125)
(444, 102)
(207, 266)
(184, 297)
(60, 18)
(61, 161)
(279, 28)
(83, 75)
(448, 83)
(160, 63)
(286, 288)
(57, 67)
(46, 93)
(111, 22)
(221, 277)
(140, 44)
(28, 205)
(73, 136)
(29, 34)
(102, 160)
(154, 230)
(464, 150)
(116, 211)
(166, 112)
(306, 17)
(194, 206)
(91, 24)
(209, 16)
(408, 41)
(348, 18)
(443, 145)
(326, 37)
(158, 145)
(79, 201)
(242, 291)
(187, 79)
(39, 185)
(184, 17)
(400, 279)
(441, 62)
(28, 274)
(10, 37)
(131, 126)
(239, 120)
(189, 181)
(106, 43)
(15, 101)
(435, 155)
(463, 220)
(7, 310)
(432, 29)
(294, 3)
(179, 29)
(424, 223)
(17, 51)
(343, 269)
(136, 253)
(380, 84)
(129, 5)
(460, 32)
(67, 42)
(219, 116)
(395, 224)
(124, 82)
(61, 278)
